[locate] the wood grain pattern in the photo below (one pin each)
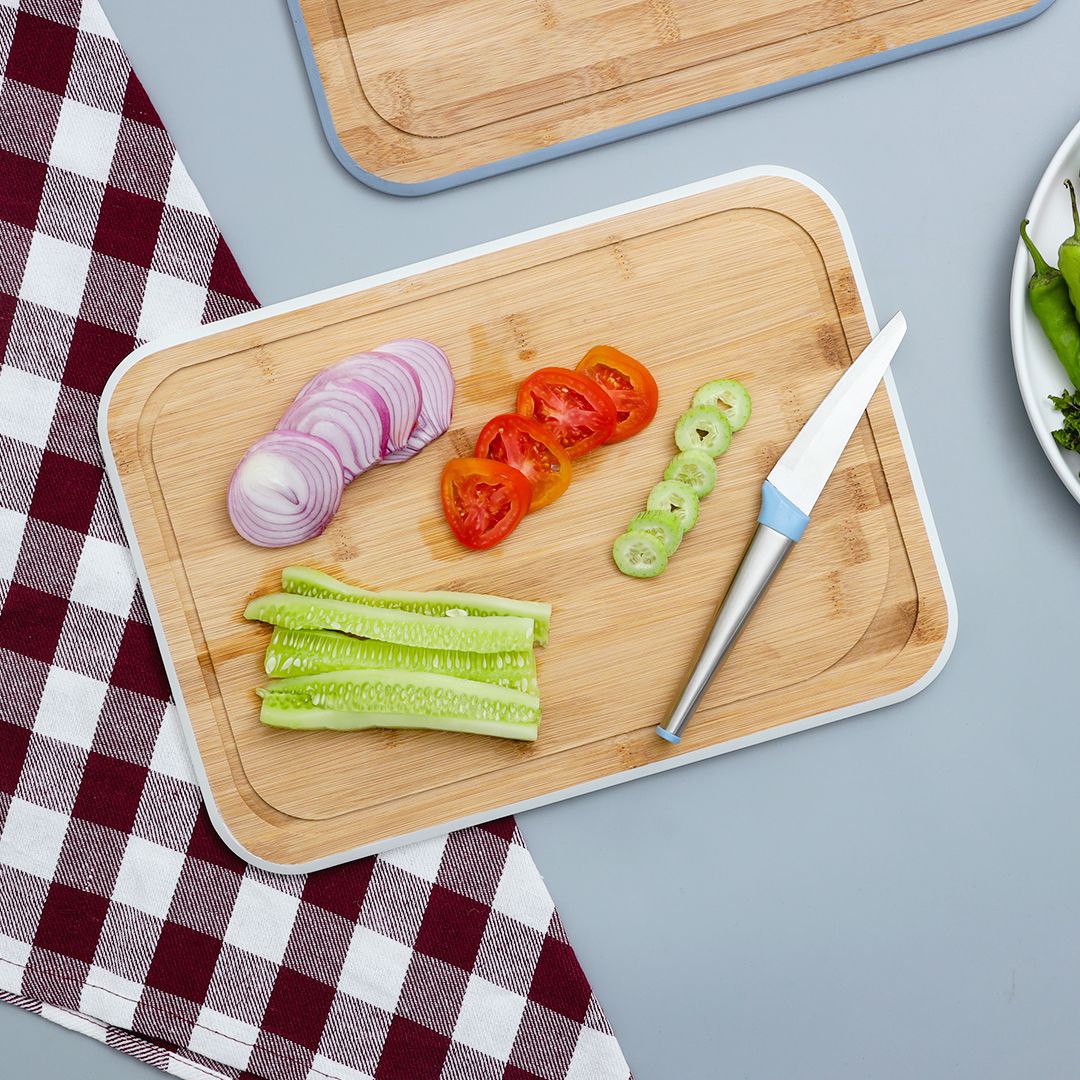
(421, 89)
(749, 280)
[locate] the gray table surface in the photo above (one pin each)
(892, 896)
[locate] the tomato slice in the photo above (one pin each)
(532, 450)
(576, 410)
(630, 384)
(483, 500)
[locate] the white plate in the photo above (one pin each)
(1037, 368)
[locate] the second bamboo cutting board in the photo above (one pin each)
(418, 95)
(750, 277)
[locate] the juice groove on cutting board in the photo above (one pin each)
(422, 89)
(750, 281)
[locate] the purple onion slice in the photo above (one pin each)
(351, 416)
(394, 380)
(286, 489)
(437, 384)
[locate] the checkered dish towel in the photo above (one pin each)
(121, 913)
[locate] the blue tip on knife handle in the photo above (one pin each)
(780, 514)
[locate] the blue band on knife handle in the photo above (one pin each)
(780, 514)
(669, 735)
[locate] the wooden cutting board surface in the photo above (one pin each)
(419, 90)
(749, 280)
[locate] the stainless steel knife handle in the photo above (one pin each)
(763, 557)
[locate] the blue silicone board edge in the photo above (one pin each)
(639, 127)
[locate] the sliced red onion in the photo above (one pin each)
(352, 417)
(437, 385)
(394, 380)
(286, 489)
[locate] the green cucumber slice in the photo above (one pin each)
(730, 397)
(355, 700)
(639, 554)
(662, 524)
(462, 633)
(693, 467)
(287, 714)
(305, 581)
(677, 498)
(312, 652)
(703, 427)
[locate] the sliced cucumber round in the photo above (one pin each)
(639, 554)
(662, 524)
(678, 499)
(693, 467)
(730, 397)
(703, 427)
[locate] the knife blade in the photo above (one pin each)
(806, 465)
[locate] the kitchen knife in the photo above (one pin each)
(787, 498)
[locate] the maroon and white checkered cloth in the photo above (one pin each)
(121, 913)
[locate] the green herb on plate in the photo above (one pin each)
(1068, 404)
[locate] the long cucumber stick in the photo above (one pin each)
(355, 700)
(305, 581)
(462, 633)
(313, 652)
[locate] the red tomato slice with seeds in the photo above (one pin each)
(483, 500)
(577, 411)
(531, 449)
(630, 385)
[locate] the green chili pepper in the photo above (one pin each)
(1069, 254)
(1048, 294)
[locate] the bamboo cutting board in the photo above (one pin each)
(417, 95)
(748, 279)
